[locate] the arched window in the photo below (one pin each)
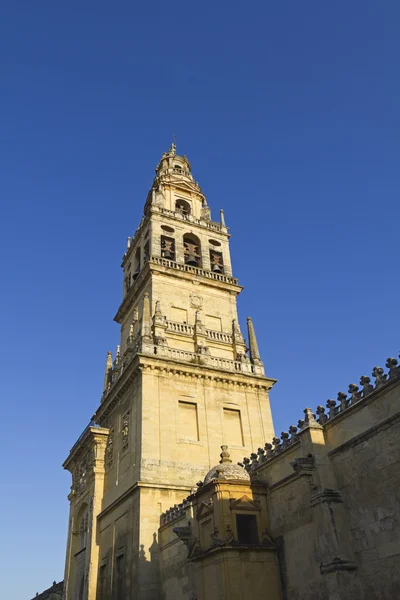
(167, 247)
(216, 261)
(83, 527)
(192, 250)
(183, 207)
(136, 264)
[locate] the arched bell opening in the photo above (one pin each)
(192, 250)
(216, 261)
(168, 248)
(183, 207)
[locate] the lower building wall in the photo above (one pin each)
(368, 475)
(332, 513)
(175, 571)
(230, 574)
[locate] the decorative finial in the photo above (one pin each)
(310, 420)
(128, 243)
(221, 212)
(109, 366)
(253, 347)
(147, 338)
(172, 149)
(117, 356)
(225, 456)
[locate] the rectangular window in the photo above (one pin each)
(102, 582)
(119, 577)
(179, 315)
(213, 323)
(246, 526)
(233, 434)
(188, 422)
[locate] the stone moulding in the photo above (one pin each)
(327, 495)
(138, 363)
(337, 565)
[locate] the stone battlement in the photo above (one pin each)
(345, 402)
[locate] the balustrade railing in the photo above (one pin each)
(187, 217)
(219, 336)
(158, 260)
(180, 328)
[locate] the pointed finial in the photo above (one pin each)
(253, 347)
(109, 365)
(128, 243)
(221, 212)
(172, 149)
(146, 322)
(225, 456)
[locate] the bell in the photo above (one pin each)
(192, 260)
(167, 254)
(216, 268)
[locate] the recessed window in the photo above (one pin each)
(213, 323)
(216, 261)
(233, 434)
(246, 526)
(192, 250)
(214, 243)
(103, 582)
(179, 315)
(119, 576)
(182, 206)
(168, 247)
(188, 422)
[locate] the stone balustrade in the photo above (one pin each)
(184, 217)
(158, 260)
(186, 329)
(181, 328)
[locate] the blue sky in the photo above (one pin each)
(289, 114)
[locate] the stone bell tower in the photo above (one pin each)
(182, 383)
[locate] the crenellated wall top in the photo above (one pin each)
(321, 420)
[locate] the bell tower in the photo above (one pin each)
(182, 382)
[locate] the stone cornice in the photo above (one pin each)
(90, 434)
(135, 487)
(143, 362)
(232, 548)
(133, 293)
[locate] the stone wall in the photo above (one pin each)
(354, 470)
(332, 488)
(368, 474)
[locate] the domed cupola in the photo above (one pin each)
(226, 470)
(174, 165)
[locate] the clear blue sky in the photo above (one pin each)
(289, 113)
